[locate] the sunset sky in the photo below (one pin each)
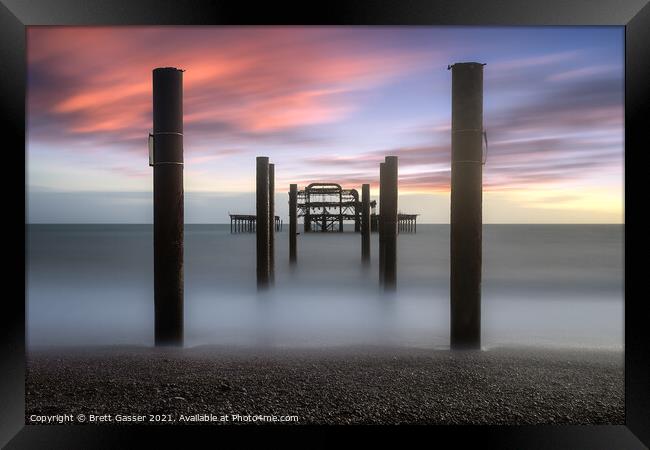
(325, 104)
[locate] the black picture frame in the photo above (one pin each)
(15, 15)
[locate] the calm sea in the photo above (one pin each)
(543, 285)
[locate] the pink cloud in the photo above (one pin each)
(98, 80)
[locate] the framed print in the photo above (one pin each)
(354, 216)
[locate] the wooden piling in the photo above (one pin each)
(357, 215)
(168, 199)
(365, 223)
(382, 195)
(389, 214)
(271, 223)
(340, 212)
(307, 217)
(293, 222)
(262, 225)
(466, 204)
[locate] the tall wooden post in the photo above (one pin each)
(389, 214)
(271, 223)
(382, 195)
(168, 220)
(365, 223)
(262, 222)
(357, 214)
(466, 204)
(341, 211)
(307, 217)
(293, 221)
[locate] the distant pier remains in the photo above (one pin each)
(245, 223)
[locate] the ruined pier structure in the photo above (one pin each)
(324, 207)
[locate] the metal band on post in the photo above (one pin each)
(484, 155)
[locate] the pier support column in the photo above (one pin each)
(389, 214)
(262, 222)
(293, 222)
(380, 221)
(357, 215)
(365, 223)
(466, 204)
(168, 199)
(271, 223)
(340, 212)
(307, 217)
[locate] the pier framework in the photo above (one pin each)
(324, 207)
(406, 223)
(245, 223)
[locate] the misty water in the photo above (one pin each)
(543, 285)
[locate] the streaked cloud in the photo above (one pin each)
(237, 82)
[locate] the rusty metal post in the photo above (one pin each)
(307, 216)
(466, 204)
(357, 215)
(389, 214)
(262, 222)
(271, 223)
(168, 199)
(365, 223)
(340, 212)
(293, 222)
(382, 195)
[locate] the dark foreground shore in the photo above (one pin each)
(328, 386)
